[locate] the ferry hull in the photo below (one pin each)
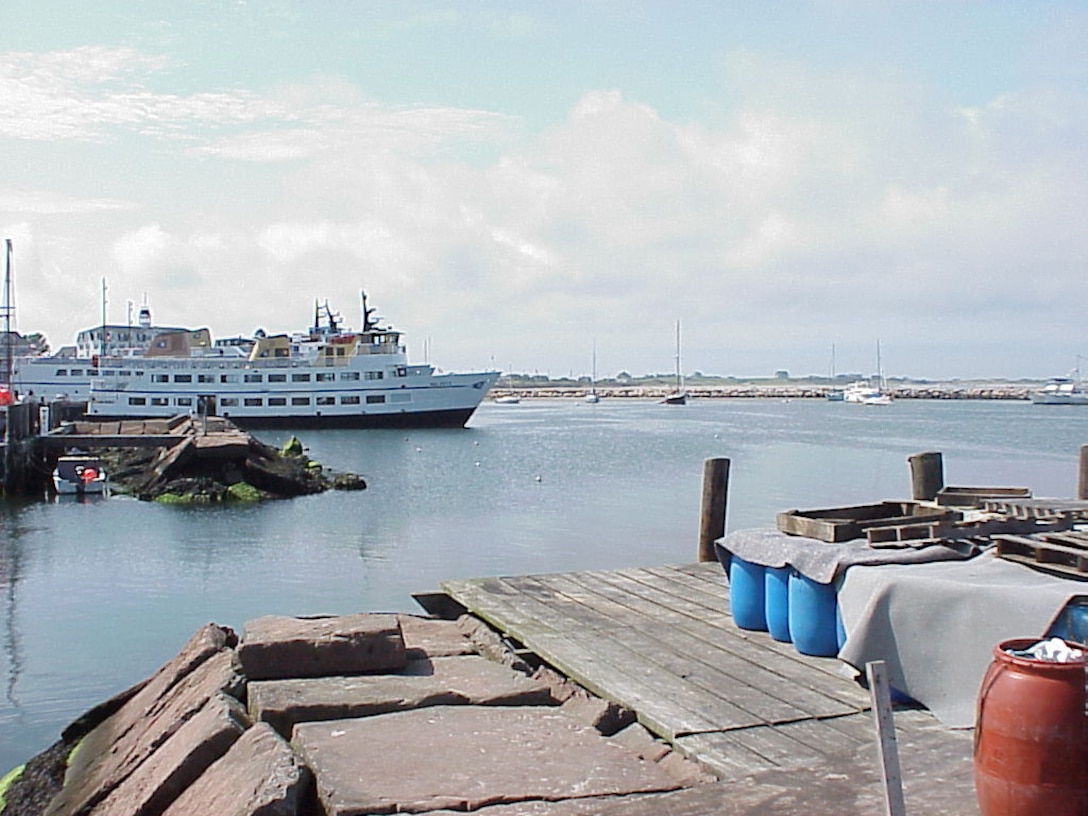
(451, 418)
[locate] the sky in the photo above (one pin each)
(517, 183)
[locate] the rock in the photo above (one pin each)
(470, 680)
(259, 776)
(562, 688)
(158, 781)
(487, 642)
(428, 637)
(465, 758)
(604, 715)
(638, 739)
(276, 648)
(113, 751)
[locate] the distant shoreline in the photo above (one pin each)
(931, 391)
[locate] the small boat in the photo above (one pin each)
(865, 392)
(679, 396)
(79, 475)
(508, 400)
(1062, 390)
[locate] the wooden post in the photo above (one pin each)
(715, 499)
(881, 696)
(1082, 482)
(926, 475)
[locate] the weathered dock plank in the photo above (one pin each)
(781, 726)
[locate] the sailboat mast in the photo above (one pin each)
(679, 376)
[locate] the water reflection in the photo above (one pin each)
(11, 573)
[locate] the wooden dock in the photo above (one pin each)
(782, 731)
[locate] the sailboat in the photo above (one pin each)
(592, 397)
(834, 393)
(679, 396)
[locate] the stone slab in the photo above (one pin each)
(259, 776)
(470, 680)
(111, 752)
(466, 758)
(430, 637)
(277, 648)
(158, 781)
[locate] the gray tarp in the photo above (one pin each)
(822, 561)
(935, 625)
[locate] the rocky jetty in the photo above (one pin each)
(352, 715)
(219, 463)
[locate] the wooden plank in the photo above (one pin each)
(745, 679)
(891, 776)
(654, 598)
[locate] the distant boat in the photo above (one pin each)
(679, 396)
(1062, 390)
(508, 400)
(591, 397)
(865, 392)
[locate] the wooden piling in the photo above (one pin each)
(715, 501)
(926, 475)
(1082, 482)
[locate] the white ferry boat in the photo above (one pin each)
(328, 377)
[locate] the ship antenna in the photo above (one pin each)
(9, 307)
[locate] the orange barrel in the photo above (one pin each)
(1030, 748)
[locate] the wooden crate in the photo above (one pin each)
(837, 524)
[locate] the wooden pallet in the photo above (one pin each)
(1063, 553)
(1038, 508)
(934, 532)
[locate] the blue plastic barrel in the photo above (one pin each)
(746, 594)
(776, 602)
(840, 627)
(812, 616)
(1072, 622)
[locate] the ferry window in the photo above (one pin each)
(137, 401)
(349, 375)
(228, 378)
(160, 378)
(300, 400)
(325, 376)
(349, 400)
(326, 400)
(62, 372)
(205, 378)
(92, 372)
(253, 378)
(108, 372)
(187, 401)
(277, 400)
(277, 378)
(401, 396)
(183, 378)
(375, 399)
(229, 402)
(402, 371)
(374, 375)
(300, 378)
(160, 401)
(77, 372)
(254, 402)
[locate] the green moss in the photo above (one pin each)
(243, 492)
(173, 498)
(6, 781)
(292, 447)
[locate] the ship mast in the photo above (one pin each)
(9, 341)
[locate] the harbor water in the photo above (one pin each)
(96, 594)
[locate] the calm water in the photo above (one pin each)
(95, 596)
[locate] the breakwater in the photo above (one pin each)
(788, 391)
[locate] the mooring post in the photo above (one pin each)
(715, 500)
(1082, 482)
(926, 475)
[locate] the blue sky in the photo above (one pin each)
(512, 182)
